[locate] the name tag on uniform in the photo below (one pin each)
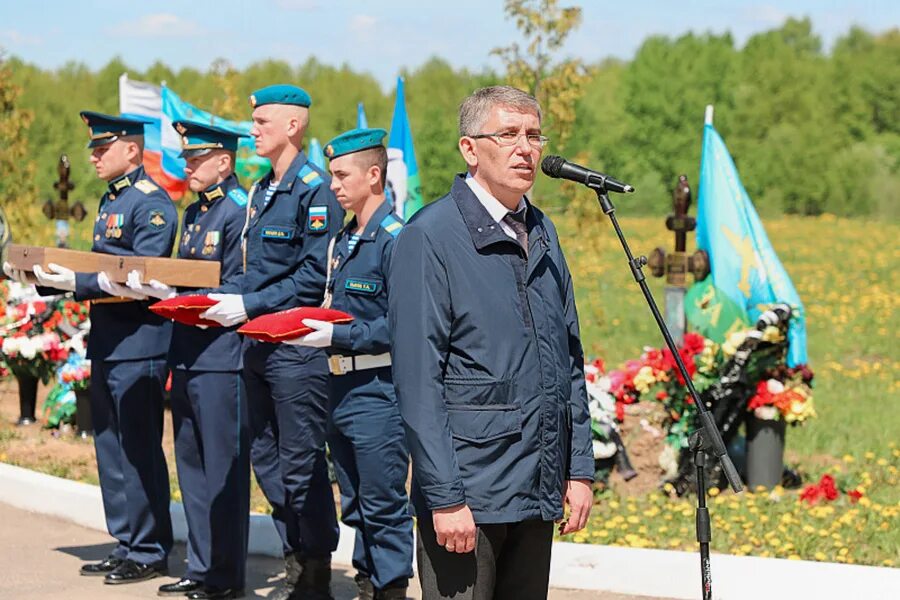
(278, 233)
(362, 286)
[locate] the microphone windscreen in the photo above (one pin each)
(551, 165)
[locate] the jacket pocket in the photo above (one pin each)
(483, 424)
(481, 411)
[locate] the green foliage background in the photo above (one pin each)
(811, 131)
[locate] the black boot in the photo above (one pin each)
(315, 579)
(181, 587)
(391, 593)
(291, 575)
(107, 565)
(366, 589)
(131, 572)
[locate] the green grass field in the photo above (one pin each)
(844, 271)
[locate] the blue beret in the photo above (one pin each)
(281, 93)
(200, 138)
(354, 141)
(105, 129)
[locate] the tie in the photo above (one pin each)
(516, 222)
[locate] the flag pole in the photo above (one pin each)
(708, 117)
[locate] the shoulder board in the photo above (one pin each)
(239, 197)
(309, 176)
(146, 186)
(392, 225)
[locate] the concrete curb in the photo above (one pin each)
(81, 503)
(575, 566)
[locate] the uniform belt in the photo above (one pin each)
(339, 365)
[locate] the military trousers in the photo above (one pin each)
(212, 454)
(368, 447)
(127, 414)
(287, 392)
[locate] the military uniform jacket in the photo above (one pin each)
(359, 284)
(211, 230)
(286, 240)
(136, 218)
(487, 363)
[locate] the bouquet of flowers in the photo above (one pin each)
(785, 394)
(74, 375)
(36, 331)
(605, 415)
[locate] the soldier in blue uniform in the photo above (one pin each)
(291, 218)
(366, 436)
(127, 347)
(209, 402)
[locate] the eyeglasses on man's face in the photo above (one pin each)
(511, 138)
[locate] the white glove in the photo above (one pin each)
(229, 310)
(60, 278)
(117, 289)
(153, 288)
(320, 337)
(19, 275)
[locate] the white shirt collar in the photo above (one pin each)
(494, 207)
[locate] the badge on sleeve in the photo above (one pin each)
(317, 221)
(157, 220)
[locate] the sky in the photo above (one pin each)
(380, 37)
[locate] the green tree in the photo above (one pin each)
(557, 85)
(17, 189)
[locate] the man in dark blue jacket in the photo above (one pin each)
(366, 436)
(292, 215)
(127, 347)
(488, 367)
(209, 402)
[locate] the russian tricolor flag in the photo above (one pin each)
(162, 145)
(144, 100)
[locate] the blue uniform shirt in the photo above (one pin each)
(359, 280)
(136, 218)
(211, 230)
(286, 241)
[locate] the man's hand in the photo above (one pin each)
(229, 310)
(579, 496)
(19, 275)
(59, 277)
(152, 288)
(319, 337)
(117, 289)
(455, 528)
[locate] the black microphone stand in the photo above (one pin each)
(705, 438)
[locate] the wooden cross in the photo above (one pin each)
(676, 265)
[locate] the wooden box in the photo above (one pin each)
(25, 257)
(171, 271)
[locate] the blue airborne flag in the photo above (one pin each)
(747, 276)
(403, 181)
(315, 154)
(361, 121)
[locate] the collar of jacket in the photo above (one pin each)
(371, 230)
(482, 227)
(218, 190)
(290, 176)
(117, 185)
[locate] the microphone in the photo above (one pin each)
(560, 168)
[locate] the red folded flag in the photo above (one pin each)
(288, 324)
(186, 309)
